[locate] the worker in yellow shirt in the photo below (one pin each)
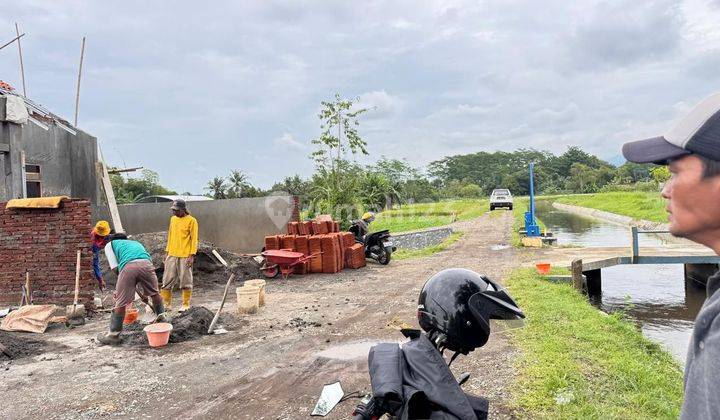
(182, 243)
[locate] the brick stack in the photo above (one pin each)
(321, 237)
(302, 246)
(315, 246)
(287, 242)
(355, 256)
(44, 243)
(330, 257)
(272, 242)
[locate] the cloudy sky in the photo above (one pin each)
(196, 89)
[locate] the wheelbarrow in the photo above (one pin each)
(282, 261)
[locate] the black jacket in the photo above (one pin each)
(418, 379)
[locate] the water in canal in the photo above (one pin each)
(656, 296)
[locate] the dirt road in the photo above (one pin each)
(314, 330)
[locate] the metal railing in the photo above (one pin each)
(635, 246)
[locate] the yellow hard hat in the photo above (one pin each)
(102, 228)
(368, 215)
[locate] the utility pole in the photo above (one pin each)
(77, 93)
(22, 67)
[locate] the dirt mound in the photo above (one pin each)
(206, 269)
(21, 345)
(189, 325)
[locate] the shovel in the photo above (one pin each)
(76, 313)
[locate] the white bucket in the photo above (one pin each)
(248, 299)
(259, 284)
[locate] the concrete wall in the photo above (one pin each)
(67, 161)
(239, 225)
(422, 238)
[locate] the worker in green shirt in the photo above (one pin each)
(135, 273)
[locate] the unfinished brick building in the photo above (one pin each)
(44, 243)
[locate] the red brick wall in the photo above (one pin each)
(44, 242)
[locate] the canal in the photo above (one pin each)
(655, 296)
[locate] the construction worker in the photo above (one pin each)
(135, 273)
(98, 236)
(182, 242)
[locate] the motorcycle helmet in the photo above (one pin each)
(368, 216)
(456, 305)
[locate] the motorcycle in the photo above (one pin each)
(378, 245)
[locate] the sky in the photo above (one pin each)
(194, 90)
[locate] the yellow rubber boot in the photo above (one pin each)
(167, 298)
(186, 295)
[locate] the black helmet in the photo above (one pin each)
(456, 305)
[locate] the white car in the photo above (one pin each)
(501, 198)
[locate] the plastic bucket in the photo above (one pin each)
(131, 315)
(260, 284)
(248, 299)
(158, 334)
(542, 268)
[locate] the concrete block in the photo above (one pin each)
(534, 242)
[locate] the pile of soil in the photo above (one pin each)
(189, 325)
(206, 269)
(21, 345)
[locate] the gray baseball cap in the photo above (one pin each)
(697, 133)
(178, 204)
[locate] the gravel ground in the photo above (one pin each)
(314, 330)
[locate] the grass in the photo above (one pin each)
(638, 205)
(424, 215)
(577, 362)
(403, 254)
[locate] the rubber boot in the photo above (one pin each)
(186, 295)
(159, 309)
(112, 337)
(167, 298)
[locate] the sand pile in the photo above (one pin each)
(206, 269)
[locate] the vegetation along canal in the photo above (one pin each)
(656, 296)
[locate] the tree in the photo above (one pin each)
(338, 116)
(131, 189)
(471, 191)
(217, 188)
(293, 185)
(660, 174)
(237, 184)
(334, 187)
(376, 190)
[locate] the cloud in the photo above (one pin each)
(163, 88)
(287, 140)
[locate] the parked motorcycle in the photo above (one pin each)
(378, 245)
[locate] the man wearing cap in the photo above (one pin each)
(182, 242)
(98, 236)
(692, 152)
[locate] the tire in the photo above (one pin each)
(510, 208)
(385, 257)
(492, 207)
(271, 272)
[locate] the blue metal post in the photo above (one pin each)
(531, 227)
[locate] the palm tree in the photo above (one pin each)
(217, 188)
(238, 183)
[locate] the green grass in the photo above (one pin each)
(403, 254)
(577, 362)
(425, 215)
(638, 205)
